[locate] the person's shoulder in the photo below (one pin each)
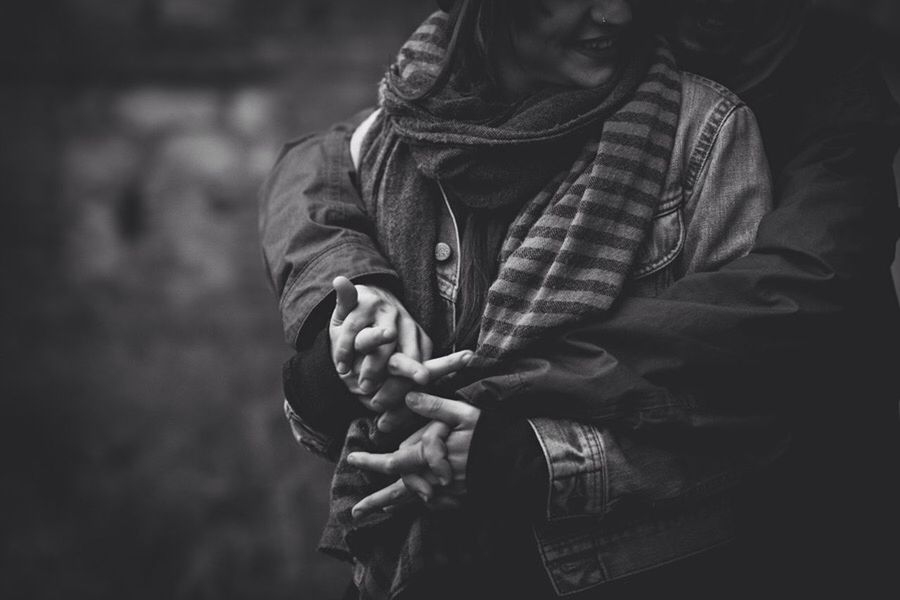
(706, 107)
(701, 94)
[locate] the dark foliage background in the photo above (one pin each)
(143, 450)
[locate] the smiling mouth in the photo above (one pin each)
(598, 47)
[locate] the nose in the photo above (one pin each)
(611, 12)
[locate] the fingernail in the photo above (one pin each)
(377, 405)
(351, 458)
(412, 398)
(467, 357)
(342, 368)
(367, 386)
(384, 426)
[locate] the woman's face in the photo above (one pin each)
(569, 42)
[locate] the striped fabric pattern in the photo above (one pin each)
(421, 56)
(568, 252)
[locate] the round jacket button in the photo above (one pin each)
(443, 252)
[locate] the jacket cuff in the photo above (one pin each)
(506, 470)
(353, 259)
(577, 469)
(320, 317)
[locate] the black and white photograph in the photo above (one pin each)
(450, 299)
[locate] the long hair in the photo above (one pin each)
(478, 26)
(483, 24)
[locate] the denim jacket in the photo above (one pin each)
(717, 190)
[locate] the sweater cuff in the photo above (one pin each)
(316, 393)
(506, 470)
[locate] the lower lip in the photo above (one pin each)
(602, 51)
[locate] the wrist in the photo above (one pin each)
(506, 467)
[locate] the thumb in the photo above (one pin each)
(346, 298)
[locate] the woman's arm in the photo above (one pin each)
(313, 227)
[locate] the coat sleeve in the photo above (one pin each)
(313, 226)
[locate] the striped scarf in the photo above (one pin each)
(566, 256)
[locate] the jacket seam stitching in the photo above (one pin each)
(669, 256)
(703, 150)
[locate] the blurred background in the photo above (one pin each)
(144, 453)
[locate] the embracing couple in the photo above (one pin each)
(597, 303)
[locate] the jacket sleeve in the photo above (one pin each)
(313, 226)
(728, 196)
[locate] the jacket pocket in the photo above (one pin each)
(665, 240)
